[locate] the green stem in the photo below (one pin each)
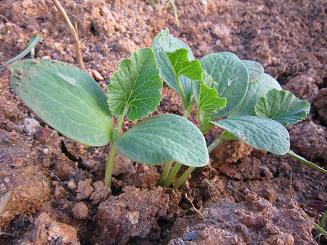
(110, 166)
(165, 172)
(214, 144)
(306, 162)
(172, 175)
(182, 179)
(321, 230)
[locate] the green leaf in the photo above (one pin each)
(209, 103)
(256, 90)
(260, 133)
(135, 86)
(231, 78)
(30, 46)
(165, 43)
(65, 97)
(283, 107)
(182, 66)
(255, 69)
(164, 138)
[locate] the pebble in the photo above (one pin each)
(80, 211)
(71, 185)
(31, 125)
(84, 189)
(97, 76)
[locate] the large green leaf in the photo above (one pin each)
(165, 43)
(164, 138)
(65, 97)
(256, 90)
(255, 69)
(209, 103)
(231, 78)
(260, 133)
(282, 106)
(135, 86)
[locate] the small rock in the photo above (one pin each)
(84, 189)
(101, 192)
(31, 125)
(127, 46)
(80, 211)
(123, 166)
(68, 233)
(59, 191)
(71, 185)
(97, 76)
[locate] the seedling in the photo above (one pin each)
(71, 102)
(257, 109)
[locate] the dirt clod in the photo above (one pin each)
(84, 189)
(80, 211)
(131, 214)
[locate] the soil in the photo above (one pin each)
(51, 188)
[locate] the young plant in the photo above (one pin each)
(71, 102)
(257, 109)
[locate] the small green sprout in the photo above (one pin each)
(235, 95)
(71, 102)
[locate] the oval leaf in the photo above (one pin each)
(282, 106)
(65, 97)
(135, 86)
(164, 138)
(256, 90)
(165, 43)
(231, 78)
(255, 69)
(260, 133)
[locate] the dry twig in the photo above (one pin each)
(72, 31)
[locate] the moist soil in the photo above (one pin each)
(51, 187)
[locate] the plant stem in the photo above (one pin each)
(321, 230)
(165, 173)
(172, 174)
(182, 179)
(72, 31)
(214, 144)
(109, 166)
(306, 162)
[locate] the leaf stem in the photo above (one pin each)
(110, 166)
(215, 143)
(306, 162)
(321, 230)
(165, 172)
(182, 179)
(172, 174)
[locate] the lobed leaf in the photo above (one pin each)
(209, 103)
(231, 78)
(165, 43)
(65, 97)
(255, 69)
(182, 66)
(135, 86)
(164, 138)
(282, 106)
(256, 90)
(260, 133)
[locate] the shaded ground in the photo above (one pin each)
(51, 188)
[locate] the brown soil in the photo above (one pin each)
(51, 188)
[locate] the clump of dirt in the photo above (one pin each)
(132, 214)
(22, 191)
(45, 230)
(253, 220)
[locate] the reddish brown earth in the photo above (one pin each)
(51, 188)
